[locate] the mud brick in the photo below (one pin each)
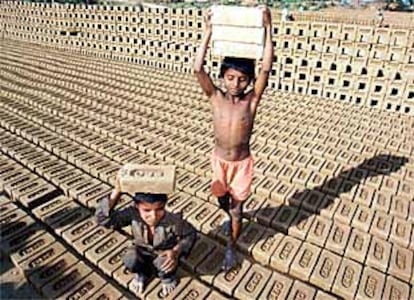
(319, 231)
(401, 263)
(42, 258)
(123, 276)
(274, 169)
(228, 281)
(321, 295)
(304, 261)
(363, 218)
(267, 212)
(405, 190)
(67, 220)
(11, 186)
(411, 213)
(346, 282)
(345, 212)
(14, 223)
(253, 283)
(287, 173)
(78, 154)
(113, 261)
(11, 173)
(284, 254)
(357, 247)
(194, 290)
(91, 197)
(265, 186)
(102, 168)
(381, 201)
(211, 265)
(400, 232)
(282, 193)
(312, 200)
(381, 225)
(277, 287)
(38, 196)
(185, 179)
(302, 176)
(338, 238)
(400, 207)
(324, 273)
(316, 180)
(379, 254)
(284, 218)
(374, 181)
(315, 164)
(301, 290)
(20, 233)
(251, 206)
(90, 239)
(329, 206)
(102, 145)
(250, 235)
(51, 166)
(67, 280)
(6, 207)
(202, 215)
(30, 249)
(37, 162)
(105, 247)
(84, 160)
(87, 185)
(390, 185)
(330, 168)
(11, 218)
(371, 284)
(66, 176)
(265, 247)
(189, 207)
(177, 200)
(85, 288)
(115, 150)
(261, 165)
(108, 291)
(22, 187)
(79, 229)
(73, 182)
(301, 224)
(201, 249)
(193, 186)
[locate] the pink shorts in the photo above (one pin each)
(233, 177)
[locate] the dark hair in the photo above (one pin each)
(244, 65)
(149, 198)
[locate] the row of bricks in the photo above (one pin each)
(45, 261)
(399, 206)
(127, 76)
(317, 239)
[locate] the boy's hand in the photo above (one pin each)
(267, 16)
(207, 19)
(171, 260)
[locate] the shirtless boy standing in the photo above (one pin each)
(234, 111)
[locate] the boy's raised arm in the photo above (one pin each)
(263, 77)
(202, 77)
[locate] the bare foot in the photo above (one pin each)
(138, 283)
(230, 259)
(168, 286)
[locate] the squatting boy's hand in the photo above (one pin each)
(171, 260)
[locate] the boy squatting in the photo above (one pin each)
(234, 111)
(159, 237)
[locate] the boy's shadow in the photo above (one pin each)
(330, 190)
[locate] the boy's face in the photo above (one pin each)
(235, 81)
(151, 213)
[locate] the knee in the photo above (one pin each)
(131, 260)
(236, 212)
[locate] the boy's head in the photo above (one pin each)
(151, 207)
(237, 74)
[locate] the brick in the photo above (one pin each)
(267, 212)
(228, 281)
(43, 258)
(274, 169)
(189, 207)
(57, 170)
(329, 206)
(358, 244)
(401, 263)
(338, 238)
(213, 226)
(12, 173)
(194, 290)
(123, 276)
(282, 193)
(379, 254)
(87, 185)
(265, 187)
(51, 165)
(21, 233)
(6, 207)
(14, 223)
(345, 212)
(193, 186)
(62, 177)
(66, 280)
(287, 173)
(112, 262)
(400, 232)
(253, 283)
(364, 195)
(319, 231)
(251, 206)
(211, 265)
(381, 201)
(108, 291)
(312, 200)
(202, 215)
(284, 218)
(301, 290)
(248, 238)
(284, 254)
(400, 207)
(38, 196)
(347, 279)
(321, 295)
(90, 197)
(396, 289)
(371, 284)
(21, 183)
(72, 182)
(301, 224)
(105, 247)
(85, 288)
(325, 270)
(177, 200)
(305, 261)
(381, 225)
(32, 248)
(363, 218)
(201, 249)
(277, 287)
(90, 239)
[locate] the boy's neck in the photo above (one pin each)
(234, 99)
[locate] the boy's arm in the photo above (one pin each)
(202, 77)
(187, 239)
(263, 77)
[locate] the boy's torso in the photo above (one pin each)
(233, 125)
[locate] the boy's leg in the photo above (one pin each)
(230, 257)
(137, 263)
(168, 280)
(224, 204)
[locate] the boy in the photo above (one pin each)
(234, 111)
(159, 237)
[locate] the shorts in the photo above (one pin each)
(233, 177)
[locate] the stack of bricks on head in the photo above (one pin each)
(137, 178)
(237, 31)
